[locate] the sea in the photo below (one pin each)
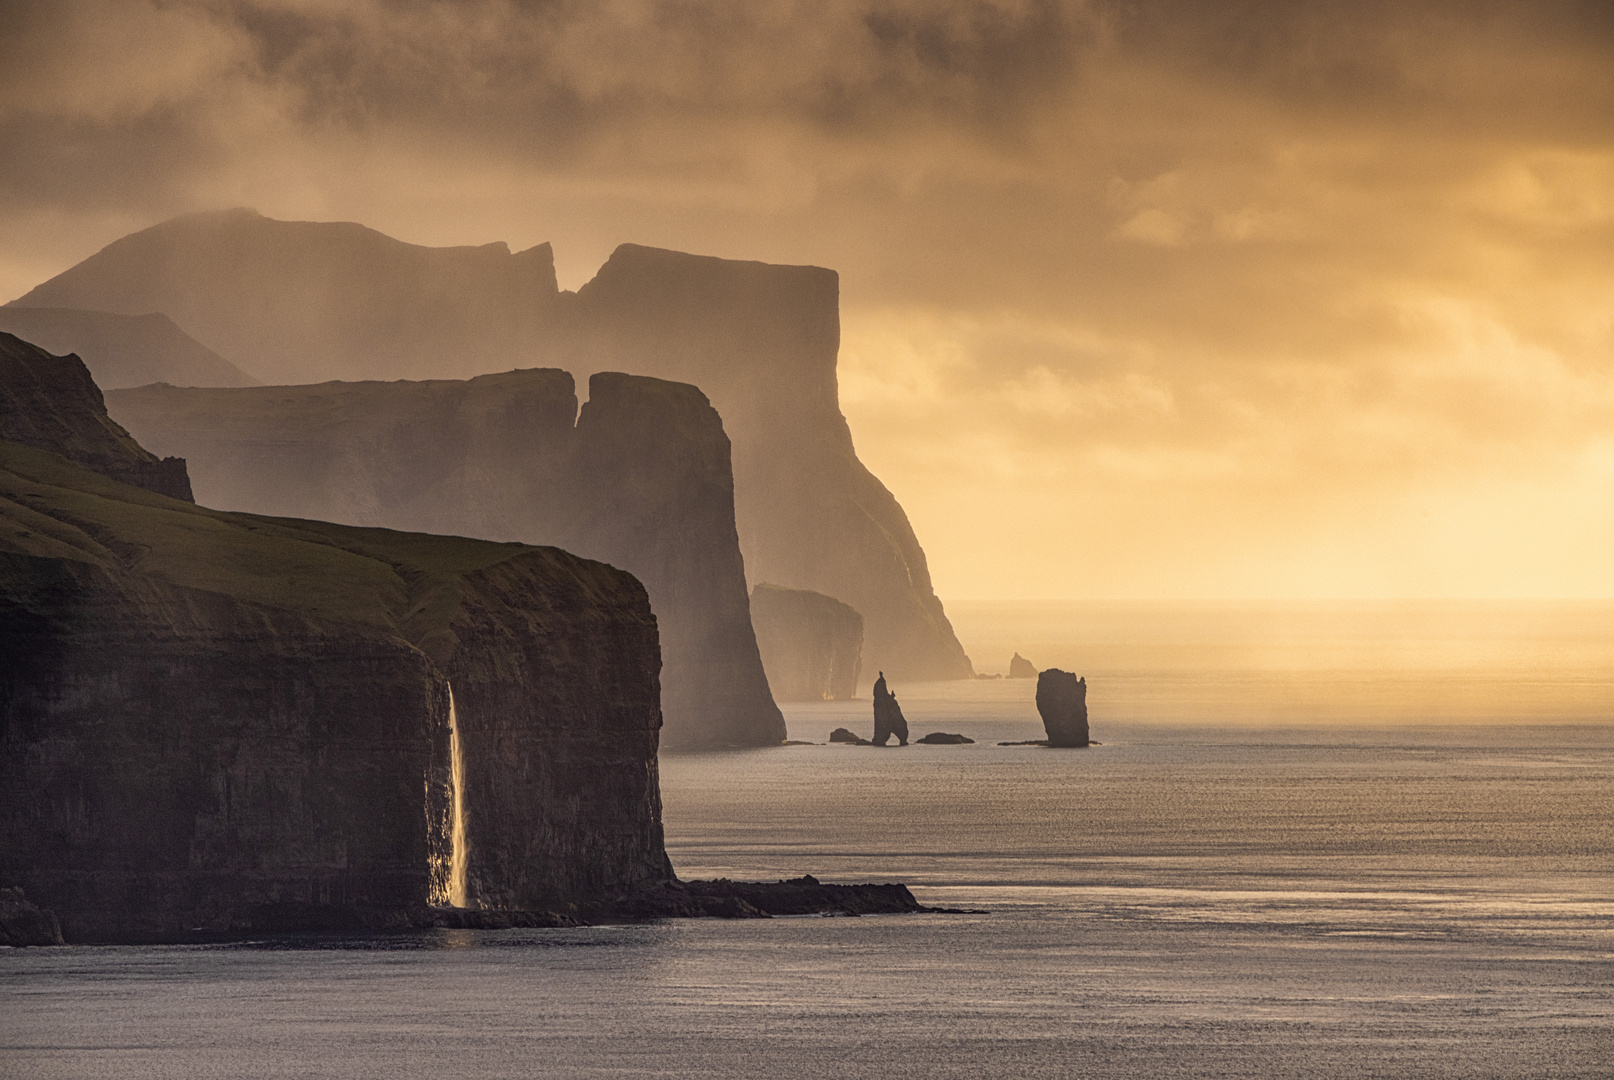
(1313, 840)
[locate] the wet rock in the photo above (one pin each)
(1021, 668)
(942, 738)
(888, 718)
(21, 923)
(842, 735)
(1062, 701)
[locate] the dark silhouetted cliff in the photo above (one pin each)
(641, 479)
(227, 722)
(811, 644)
(298, 301)
(124, 350)
(51, 402)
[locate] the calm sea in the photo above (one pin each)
(1316, 841)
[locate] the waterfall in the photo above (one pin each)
(458, 857)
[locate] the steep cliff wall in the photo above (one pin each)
(811, 644)
(641, 480)
(219, 721)
(124, 350)
(51, 402)
(296, 301)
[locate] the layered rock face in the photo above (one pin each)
(296, 301)
(51, 402)
(225, 722)
(1062, 702)
(124, 350)
(811, 644)
(640, 479)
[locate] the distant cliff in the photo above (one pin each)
(124, 350)
(224, 722)
(298, 301)
(52, 403)
(811, 644)
(640, 479)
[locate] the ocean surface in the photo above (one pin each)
(1315, 841)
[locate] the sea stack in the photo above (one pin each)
(888, 718)
(1021, 668)
(1062, 701)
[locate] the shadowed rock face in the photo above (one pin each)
(219, 721)
(50, 402)
(299, 301)
(640, 479)
(888, 718)
(1062, 701)
(1021, 668)
(124, 350)
(811, 644)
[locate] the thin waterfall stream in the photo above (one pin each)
(457, 850)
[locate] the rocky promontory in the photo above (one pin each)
(811, 644)
(640, 478)
(760, 340)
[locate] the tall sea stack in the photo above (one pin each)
(1062, 701)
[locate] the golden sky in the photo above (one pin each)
(1140, 299)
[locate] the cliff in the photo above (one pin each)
(811, 644)
(641, 479)
(225, 722)
(124, 350)
(297, 301)
(51, 402)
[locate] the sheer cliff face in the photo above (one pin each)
(297, 301)
(210, 720)
(641, 480)
(51, 402)
(811, 644)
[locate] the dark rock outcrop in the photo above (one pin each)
(843, 735)
(942, 738)
(888, 719)
(52, 403)
(124, 350)
(300, 301)
(640, 479)
(228, 723)
(811, 644)
(1062, 701)
(1021, 668)
(21, 923)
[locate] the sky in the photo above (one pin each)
(1139, 299)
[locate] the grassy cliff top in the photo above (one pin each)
(51, 508)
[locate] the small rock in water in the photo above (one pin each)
(842, 735)
(888, 718)
(942, 738)
(1021, 668)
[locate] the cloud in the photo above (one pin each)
(1241, 281)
